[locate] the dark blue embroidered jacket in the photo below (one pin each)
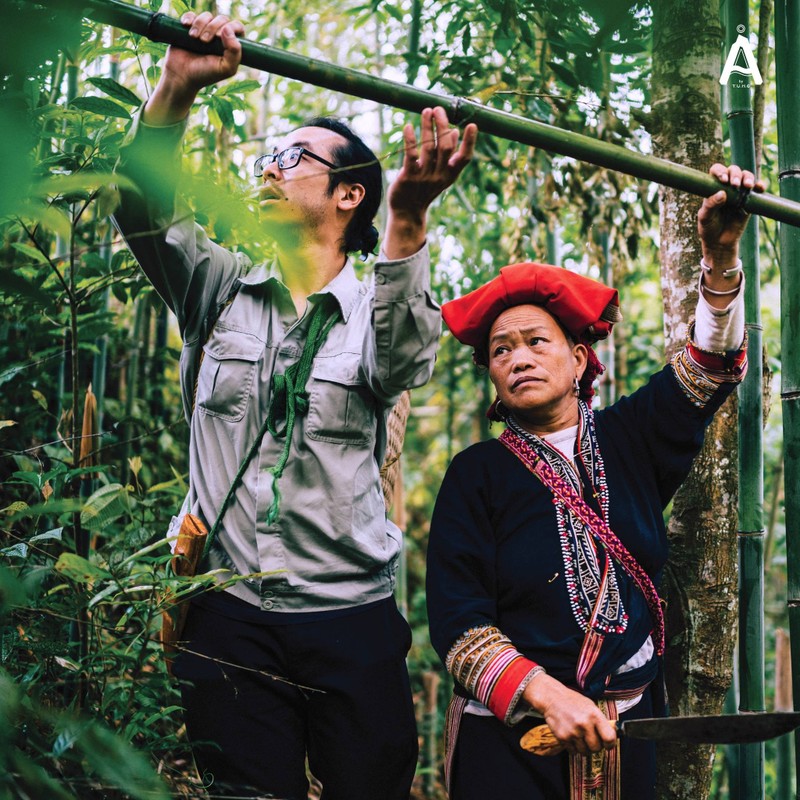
(494, 556)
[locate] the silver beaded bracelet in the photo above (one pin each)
(726, 273)
(721, 294)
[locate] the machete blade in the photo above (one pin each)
(720, 729)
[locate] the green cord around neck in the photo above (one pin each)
(289, 400)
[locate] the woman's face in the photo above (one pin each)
(533, 367)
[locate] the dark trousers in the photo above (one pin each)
(251, 734)
(489, 763)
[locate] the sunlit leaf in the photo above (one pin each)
(79, 569)
(135, 463)
(39, 398)
(15, 507)
(105, 505)
(108, 199)
(67, 663)
(53, 534)
(19, 550)
(79, 182)
(237, 87)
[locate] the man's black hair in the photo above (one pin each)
(360, 235)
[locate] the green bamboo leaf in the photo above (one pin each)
(564, 74)
(79, 182)
(100, 106)
(35, 779)
(116, 762)
(116, 90)
(393, 11)
(49, 216)
(103, 594)
(239, 87)
(79, 569)
(224, 111)
(30, 252)
(65, 505)
(106, 504)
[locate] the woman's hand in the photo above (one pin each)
(575, 720)
(721, 224)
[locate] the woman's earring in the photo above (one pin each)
(576, 387)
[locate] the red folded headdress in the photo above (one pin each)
(586, 308)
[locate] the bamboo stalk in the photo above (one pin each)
(161, 28)
(430, 681)
(739, 112)
(783, 702)
(787, 69)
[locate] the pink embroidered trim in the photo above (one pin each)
(490, 668)
(563, 493)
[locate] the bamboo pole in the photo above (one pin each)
(161, 28)
(783, 702)
(787, 69)
(430, 682)
(739, 113)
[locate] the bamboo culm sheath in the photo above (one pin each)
(161, 28)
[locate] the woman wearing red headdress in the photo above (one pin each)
(547, 544)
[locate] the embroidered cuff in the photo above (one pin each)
(701, 372)
(488, 666)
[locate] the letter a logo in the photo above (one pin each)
(741, 45)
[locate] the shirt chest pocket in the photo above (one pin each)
(225, 380)
(341, 406)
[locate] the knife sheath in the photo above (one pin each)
(185, 562)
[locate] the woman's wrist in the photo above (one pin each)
(538, 693)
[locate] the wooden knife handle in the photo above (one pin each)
(185, 562)
(540, 739)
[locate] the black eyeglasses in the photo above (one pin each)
(288, 158)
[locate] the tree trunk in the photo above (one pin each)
(700, 580)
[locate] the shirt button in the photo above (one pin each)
(380, 278)
(267, 604)
(268, 594)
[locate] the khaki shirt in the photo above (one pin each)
(332, 546)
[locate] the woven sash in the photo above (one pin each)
(564, 493)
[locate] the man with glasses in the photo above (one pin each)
(321, 357)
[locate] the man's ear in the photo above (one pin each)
(349, 195)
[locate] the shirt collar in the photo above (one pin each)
(345, 287)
